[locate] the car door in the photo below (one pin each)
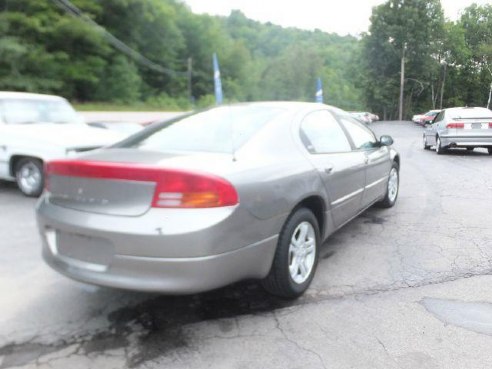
(4, 156)
(340, 167)
(377, 159)
(432, 129)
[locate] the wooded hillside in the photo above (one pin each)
(54, 47)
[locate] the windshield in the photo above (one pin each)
(432, 113)
(222, 129)
(30, 111)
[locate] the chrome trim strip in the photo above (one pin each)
(342, 199)
(194, 258)
(376, 182)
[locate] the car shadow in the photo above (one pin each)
(8, 186)
(464, 152)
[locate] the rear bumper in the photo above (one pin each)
(165, 250)
(464, 141)
(170, 275)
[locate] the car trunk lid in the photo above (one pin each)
(125, 182)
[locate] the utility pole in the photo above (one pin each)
(490, 97)
(442, 86)
(190, 74)
(402, 82)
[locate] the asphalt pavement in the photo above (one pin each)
(407, 287)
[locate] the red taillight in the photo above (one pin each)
(455, 125)
(174, 188)
(490, 125)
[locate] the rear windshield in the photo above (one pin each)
(471, 113)
(222, 129)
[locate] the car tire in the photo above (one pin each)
(469, 148)
(296, 256)
(392, 188)
(424, 141)
(439, 149)
(489, 149)
(29, 176)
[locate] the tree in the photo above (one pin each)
(400, 28)
(476, 77)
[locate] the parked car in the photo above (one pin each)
(246, 191)
(460, 127)
(374, 117)
(37, 128)
(429, 117)
(363, 117)
(417, 118)
(126, 128)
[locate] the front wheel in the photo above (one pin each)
(29, 176)
(392, 187)
(296, 256)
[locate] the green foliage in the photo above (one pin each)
(442, 57)
(43, 49)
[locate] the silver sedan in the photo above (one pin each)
(459, 127)
(247, 191)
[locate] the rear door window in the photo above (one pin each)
(322, 134)
(362, 137)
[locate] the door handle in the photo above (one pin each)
(329, 169)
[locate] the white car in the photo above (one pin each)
(37, 128)
(417, 118)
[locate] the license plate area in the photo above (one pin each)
(89, 250)
(476, 125)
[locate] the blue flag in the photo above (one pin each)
(319, 91)
(217, 82)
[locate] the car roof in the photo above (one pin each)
(476, 108)
(293, 107)
(284, 104)
(27, 95)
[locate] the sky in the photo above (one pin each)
(339, 16)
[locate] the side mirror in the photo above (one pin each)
(386, 140)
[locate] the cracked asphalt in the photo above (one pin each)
(408, 287)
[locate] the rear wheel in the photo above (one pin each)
(439, 149)
(489, 149)
(296, 256)
(29, 176)
(425, 144)
(392, 188)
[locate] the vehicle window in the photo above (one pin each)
(222, 129)
(362, 137)
(439, 117)
(321, 134)
(29, 111)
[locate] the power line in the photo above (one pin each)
(71, 9)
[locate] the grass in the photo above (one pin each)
(122, 107)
